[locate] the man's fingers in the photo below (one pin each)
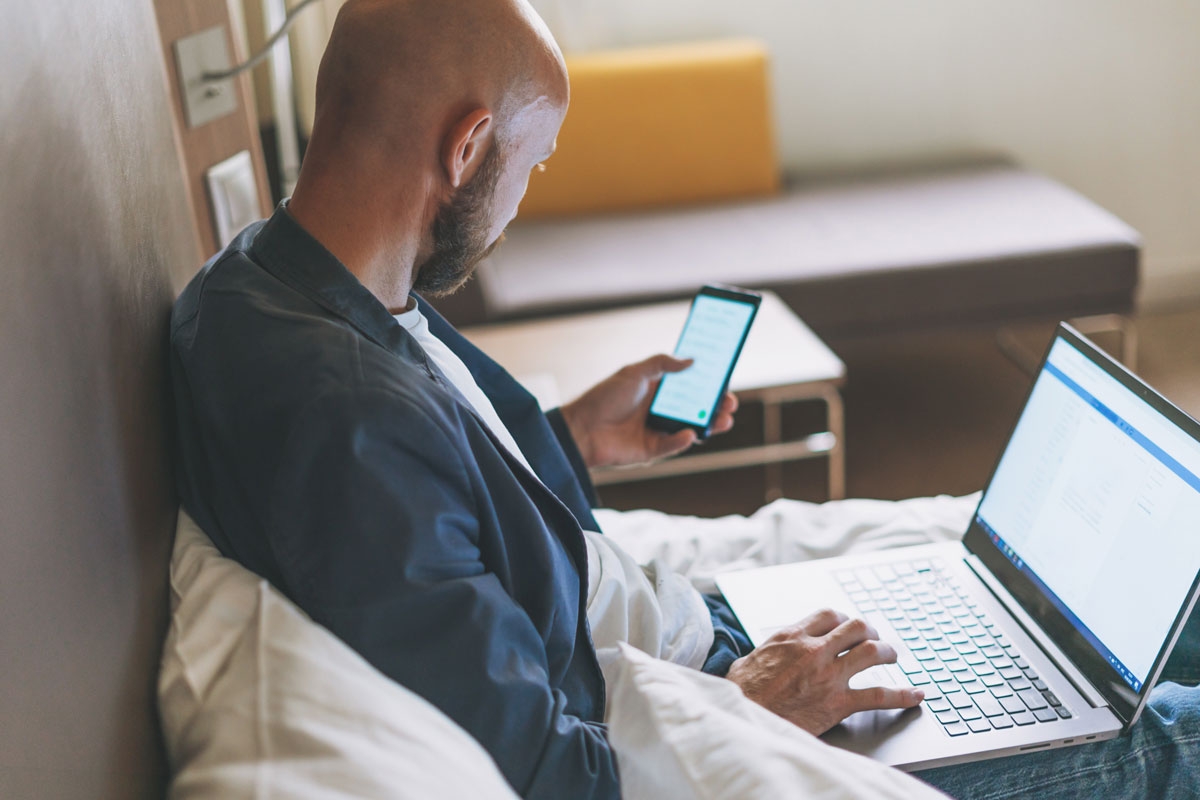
(723, 419)
(658, 365)
(882, 697)
(866, 655)
(821, 622)
(675, 443)
(849, 633)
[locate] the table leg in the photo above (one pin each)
(836, 420)
(773, 434)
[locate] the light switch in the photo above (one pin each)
(233, 192)
(204, 101)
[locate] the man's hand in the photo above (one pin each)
(801, 673)
(609, 421)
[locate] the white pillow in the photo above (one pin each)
(684, 735)
(259, 701)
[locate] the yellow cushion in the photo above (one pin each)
(660, 126)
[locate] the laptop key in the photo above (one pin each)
(989, 705)
(1063, 712)
(957, 729)
(946, 717)
(908, 664)
(1039, 684)
(993, 681)
(960, 700)
(1002, 721)
(979, 725)
(938, 704)
(970, 713)
(941, 675)
(1019, 684)
(1051, 698)
(974, 687)
(1012, 704)
(1032, 699)
(1001, 691)
(1009, 672)
(1023, 718)
(983, 670)
(1030, 673)
(918, 679)
(1045, 715)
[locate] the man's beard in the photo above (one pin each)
(460, 232)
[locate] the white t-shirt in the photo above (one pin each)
(458, 374)
(650, 606)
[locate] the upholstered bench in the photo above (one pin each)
(666, 177)
(978, 243)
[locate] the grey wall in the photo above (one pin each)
(94, 236)
(1103, 95)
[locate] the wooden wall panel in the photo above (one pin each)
(208, 144)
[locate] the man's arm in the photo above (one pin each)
(376, 532)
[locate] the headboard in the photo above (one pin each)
(95, 237)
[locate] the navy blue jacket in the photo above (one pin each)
(319, 447)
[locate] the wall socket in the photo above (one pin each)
(204, 101)
(233, 192)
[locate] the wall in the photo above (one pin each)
(95, 237)
(1104, 95)
(215, 141)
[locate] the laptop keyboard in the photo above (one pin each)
(974, 679)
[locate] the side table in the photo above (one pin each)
(783, 361)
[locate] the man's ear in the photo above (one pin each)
(465, 146)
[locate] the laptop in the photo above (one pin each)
(1048, 625)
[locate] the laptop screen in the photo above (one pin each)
(1096, 501)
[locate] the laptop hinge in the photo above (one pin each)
(1081, 684)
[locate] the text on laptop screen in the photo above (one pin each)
(1097, 499)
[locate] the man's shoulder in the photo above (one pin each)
(248, 343)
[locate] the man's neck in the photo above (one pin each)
(382, 261)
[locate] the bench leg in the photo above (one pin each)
(1120, 324)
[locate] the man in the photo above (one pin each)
(339, 438)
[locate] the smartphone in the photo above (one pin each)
(716, 329)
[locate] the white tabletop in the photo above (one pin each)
(561, 357)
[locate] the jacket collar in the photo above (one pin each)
(293, 255)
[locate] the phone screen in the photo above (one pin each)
(713, 337)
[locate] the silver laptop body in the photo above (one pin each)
(1050, 622)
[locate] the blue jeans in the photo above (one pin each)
(1158, 758)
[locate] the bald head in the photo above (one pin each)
(401, 68)
(416, 100)
(407, 64)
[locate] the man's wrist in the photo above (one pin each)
(578, 433)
